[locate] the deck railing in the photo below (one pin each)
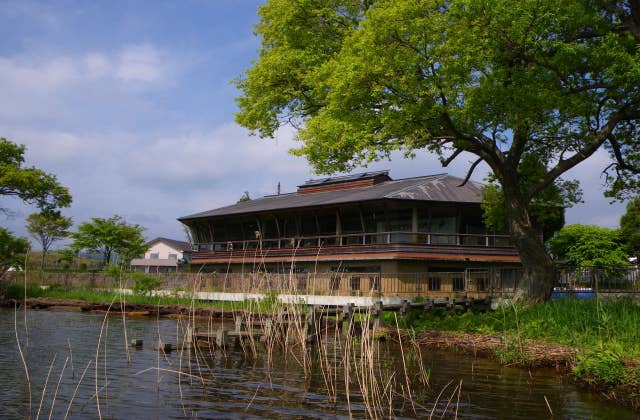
(350, 239)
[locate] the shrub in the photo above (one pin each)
(602, 364)
(144, 284)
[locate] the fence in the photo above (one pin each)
(471, 282)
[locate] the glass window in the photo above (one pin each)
(443, 225)
(173, 256)
(154, 255)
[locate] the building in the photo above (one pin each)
(163, 256)
(357, 234)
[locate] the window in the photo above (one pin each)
(355, 283)
(458, 284)
(434, 283)
(443, 226)
(154, 255)
(173, 256)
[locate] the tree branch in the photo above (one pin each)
(589, 149)
(470, 172)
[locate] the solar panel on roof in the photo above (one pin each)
(343, 178)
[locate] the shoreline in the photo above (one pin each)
(526, 354)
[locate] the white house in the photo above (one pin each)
(163, 255)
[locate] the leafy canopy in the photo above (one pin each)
(48, 227)
(498, 79)
(630, 227)
(589, 246)
(30, 184)
(12, 251)
(108, 236)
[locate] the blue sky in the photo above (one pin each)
(130, 104)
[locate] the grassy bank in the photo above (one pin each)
(604, 332)
(18, 292)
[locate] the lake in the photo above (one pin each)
(80, 366)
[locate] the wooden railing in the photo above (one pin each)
(351, 239)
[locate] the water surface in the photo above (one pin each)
(144, 383)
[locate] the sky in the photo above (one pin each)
(131, 105)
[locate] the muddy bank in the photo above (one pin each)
(129, 309)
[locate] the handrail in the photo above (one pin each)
(354, 239)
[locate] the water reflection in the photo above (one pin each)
(134, 383)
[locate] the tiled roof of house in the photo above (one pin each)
(175, 244)
(435, 188)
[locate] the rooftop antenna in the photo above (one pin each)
(278, 187)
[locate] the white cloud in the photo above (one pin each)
(142, 63)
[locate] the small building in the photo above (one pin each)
(163, 256)
(357, 234)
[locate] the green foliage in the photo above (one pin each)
(19, 291)
(602, 364)
(270, 301)
(143, 283)
(48, 227)
(108, 236)
(30, 184)
(630, 227)
(499, 80)
(12, 251)
(245, 197)
(589, 246)
(511, 354)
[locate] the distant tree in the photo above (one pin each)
(48, 227)
(589, 246)
(31, 185)
(630, 227)
(12, 251)
(245, 197)
(493, 80)
(109, 236)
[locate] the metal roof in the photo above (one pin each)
(434, 188)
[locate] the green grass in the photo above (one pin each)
(574, 322)
(606, 332)
(16, 291)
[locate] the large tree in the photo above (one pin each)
(109, 236)
(48, 227)
(497, 79)
(29, 184)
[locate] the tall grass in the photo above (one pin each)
(574, 322)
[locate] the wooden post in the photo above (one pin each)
(377, 312)
(405, 307)
(222, 338)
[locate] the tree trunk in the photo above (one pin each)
(538, 270)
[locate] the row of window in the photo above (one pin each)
(156, 256)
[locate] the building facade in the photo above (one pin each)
(163, 256)
(357, 234)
